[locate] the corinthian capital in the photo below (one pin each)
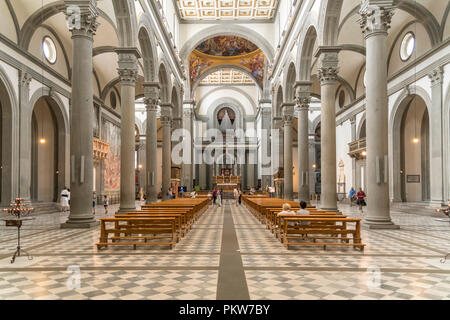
(81, 16)
(376, 16)
(127, 70)
(436, 76)
(302, 95)
(328, 64)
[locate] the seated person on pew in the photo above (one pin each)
(287, 210)
(302, 211)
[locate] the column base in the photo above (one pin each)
(125, 210)
(331, 210)
(371, 224)
(80, 224)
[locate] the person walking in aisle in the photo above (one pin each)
(94, 201)
(105, 203)
(65, 200)
(352, 196)
(360, 202)
(236, 196)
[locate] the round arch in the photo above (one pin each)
(164, 81)
(305, 51)
(396, 142)
(215, 90)
(60, 125)
(289, 82)
(148, 49)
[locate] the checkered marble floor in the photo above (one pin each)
(396, 264)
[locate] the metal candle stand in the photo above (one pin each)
(20, 212)
(446, 212)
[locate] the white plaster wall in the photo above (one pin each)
(343, 138)
(13, 76)
(413, 151)
(247, 102)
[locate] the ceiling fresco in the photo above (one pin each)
(227, 51)
(226, 46)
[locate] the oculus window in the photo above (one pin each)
(407, 47)
(49, 49)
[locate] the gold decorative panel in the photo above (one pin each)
(227, 9)
(227, 76)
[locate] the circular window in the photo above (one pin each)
(407, 46)
(365, 79)
(341, 98)
(49, 49)
(112, 100)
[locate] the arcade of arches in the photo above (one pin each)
(131, 99)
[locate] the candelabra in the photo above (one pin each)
(446, 212)
(20, 212)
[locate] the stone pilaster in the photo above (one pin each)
(83, 25)
(328, 73)
(266, 163)
(25, 137)
(288, 118)
(302, 101)
(127, 73)
(375, 22)
(151, 100)
(438, 139)
(353, 126)
(188, 125)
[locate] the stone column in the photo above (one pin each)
(127, 72)
(151, 93)
(83, 28)
(188, 125)
(328, 69)
(166, 121)
(353, 125)
(266, 172)
(288, 118)
(302, 103)
(25, 138)
(375, 19)
(438, 158)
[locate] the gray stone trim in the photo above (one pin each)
(58, 39)
(15, 63)
(36, 75)
(166, 40)
(14, 17)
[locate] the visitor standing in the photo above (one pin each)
(236, 196)
(219, 199)
(65, 200)
(240, 196)
(214, 196)
(352, 196)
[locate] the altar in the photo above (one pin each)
(227, 184)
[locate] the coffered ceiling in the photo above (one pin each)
(194, 10)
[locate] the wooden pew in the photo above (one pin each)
(138, 228)
(334, 229)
